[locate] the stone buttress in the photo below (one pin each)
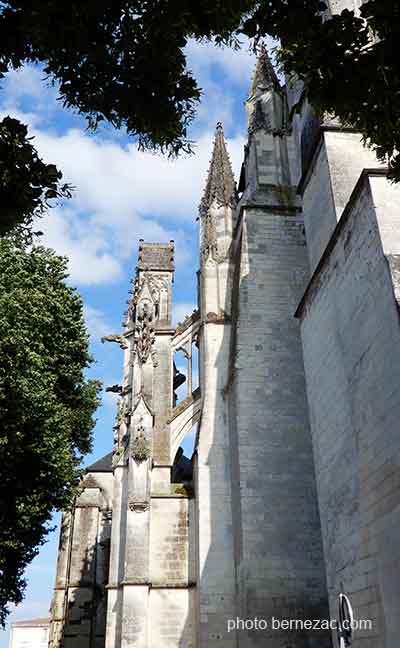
(125, 577)
(215, 564)
(276, 528)
(149, 582)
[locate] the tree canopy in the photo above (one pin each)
(46, 404)
(28, 186)
(124, 61)
(349, 64)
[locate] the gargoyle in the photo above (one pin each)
(115, 389)
(116, 337)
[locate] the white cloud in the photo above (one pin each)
(212, 68)
(29, 118)
(216, 106)
(236, 64)
(90, 260)
(96, 322)
(118, 180)
(28, 82)
(122, 194)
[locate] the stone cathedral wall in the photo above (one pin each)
(328, 183)
(278, 539)
(171, 597)
(351, 339)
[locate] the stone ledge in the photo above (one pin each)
(181, 585)
(314, 150)
(151, 585)
(171, 496)
(312, 286)
(83, 585)
(194, 396)
(217, 318)
(181, 327)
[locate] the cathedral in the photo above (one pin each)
(290, 502)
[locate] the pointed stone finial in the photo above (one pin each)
(264, 76)
(220, 181)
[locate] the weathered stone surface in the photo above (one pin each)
(156, 256)
(351, 340)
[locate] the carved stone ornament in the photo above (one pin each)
(114, 389)
(138, 507)
(259, 120)
(187, 321)
(90, 482)
(121, 420)
(107, 516)
(140, 447)
(144, 331)
(209, 240)
(264, 76)
(121, 412)
(155, 284)
(116, 337)
(117, 456)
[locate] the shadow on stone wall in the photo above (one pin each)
(83, 601)
(278, 567)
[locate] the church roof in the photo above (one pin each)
(264, 75)
(102, 465)
(30, 623)
(220, 181)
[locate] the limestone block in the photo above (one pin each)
(79, 614)
(276, 527)
(134, 616)
(169, 533)
(160, 481)
(113, 619)
(136, 566)
(173, 614)
(82, 567)
(351, 341)
(90, 497)
(58, 604)
(63, 551)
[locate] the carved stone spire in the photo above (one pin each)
(264, 76)
(220, 182)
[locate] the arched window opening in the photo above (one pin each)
(180, 369)
(182, 469)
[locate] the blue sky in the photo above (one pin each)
(122, 195)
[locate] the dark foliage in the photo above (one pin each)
(28, 186)
(349, 65)
(46, 405)
(123, 61)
